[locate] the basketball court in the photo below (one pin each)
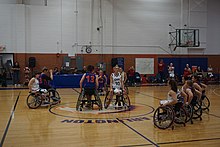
(62, 125)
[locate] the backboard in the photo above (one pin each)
(187, 38)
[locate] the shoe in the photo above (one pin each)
(55, 99)
(45, 103)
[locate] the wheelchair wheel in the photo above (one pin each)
(189, 112)
(163, 117)
(126, 100)
(54, 95)
(79, 102)
(205, 103)
(197, 110)
(180, 116)
(126, 88)
(107, 100)
(98, 100)
(33, 101)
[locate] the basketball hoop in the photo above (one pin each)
(189, 43)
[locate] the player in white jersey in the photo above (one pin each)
(116, 83)
(33, 84)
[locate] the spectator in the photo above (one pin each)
(131, 74)
(187, 72)
(210, 71)
(27, 75)
(84, 69)
(199, 71)
(16, 73)
(56, 71)
(171, 71)
(4, 78)
(161, 67)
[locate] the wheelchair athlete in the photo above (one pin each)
(34, 87)
(202, 89)
(170, 110)
(102, 79)
(89, 84)
(116, 84)
(198, 85)
(172, 94)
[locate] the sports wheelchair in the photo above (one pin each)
(121, 99)
(83, 101)
(205, 101)
(165, 116)
(43, 97)
(193, 110)
(196, 108)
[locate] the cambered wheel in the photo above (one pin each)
(33, 101)
(205, 103)
(54, 95)
(99, 102)
(127, 102)
(126, 89)
(189, 112)
(180, 116)
(197, 110)
(107, 100)
(163, 117)
(79, 101)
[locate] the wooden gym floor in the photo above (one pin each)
(63, 126)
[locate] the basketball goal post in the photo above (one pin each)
(184, 38)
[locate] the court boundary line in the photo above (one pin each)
(174, 142)
(76, 90)
(152, 143)
(213, 115)
(9, 121)
(61, 115)
(215, 92)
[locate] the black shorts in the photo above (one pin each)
(89, 91)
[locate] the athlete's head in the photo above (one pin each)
(189, 83)
(36, 74)
(173, 85)
(44, 69)
(120, 70)
(90, 68)
(195, 78)
(100, 72)
(116, 68)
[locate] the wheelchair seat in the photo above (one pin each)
(121, 99)
(83, 101)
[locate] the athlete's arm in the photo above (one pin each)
(111, 81)
(81, 81)
(125, 77)
(97, 81)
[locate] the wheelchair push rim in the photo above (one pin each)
(163, 117)
(33, 101)
(205, 103)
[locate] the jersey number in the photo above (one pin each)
(90, 79)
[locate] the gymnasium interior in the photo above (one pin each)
(152, 41)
